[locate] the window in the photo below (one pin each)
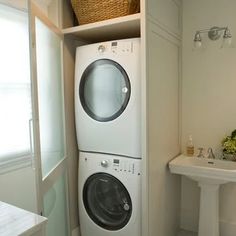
(15, 91)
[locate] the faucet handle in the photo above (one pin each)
(200, 152)
(210, 153)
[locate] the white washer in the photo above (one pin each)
(108, 97)
(109, 195)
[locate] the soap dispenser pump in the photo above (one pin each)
(190, 146)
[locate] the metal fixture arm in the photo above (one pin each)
(214, 33)
(212, 29)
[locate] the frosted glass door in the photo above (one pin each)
(50, 102)
(48, 119)
(55, 208)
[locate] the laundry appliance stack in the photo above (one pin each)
(108, 125)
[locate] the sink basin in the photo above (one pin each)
(210, 174)
(204, 169)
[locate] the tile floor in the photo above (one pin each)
(186, 233)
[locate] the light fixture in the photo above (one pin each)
(214, 33)
(197, 40)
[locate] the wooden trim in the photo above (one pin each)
(164, 27)
(163, 34)
(39, 14)
(15, 164)
(35, 109)
(50, 179)
(117, 28)
(144, 119)
(176, 32)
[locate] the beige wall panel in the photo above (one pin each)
(163, 132)
(208, 98)
(167, 13)
(67, 14)
(21, 4)
(15, 188)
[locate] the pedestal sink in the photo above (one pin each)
(210, 174)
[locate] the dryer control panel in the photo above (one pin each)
(115, 47)
(128, 166)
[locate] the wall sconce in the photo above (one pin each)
(214, 34)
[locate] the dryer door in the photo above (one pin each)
(104, 90)
(107, 201)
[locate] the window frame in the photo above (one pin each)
(25, 158)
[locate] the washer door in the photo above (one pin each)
(104, 90)
(107, 201)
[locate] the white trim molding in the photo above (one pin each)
(75, 232)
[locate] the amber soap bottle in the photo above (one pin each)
(190, 146)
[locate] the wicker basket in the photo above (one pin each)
(88, 11)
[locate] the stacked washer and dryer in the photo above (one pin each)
(108, 114)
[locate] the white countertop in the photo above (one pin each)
(15, 221)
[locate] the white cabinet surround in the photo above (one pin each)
(159, 26)
(15, 221)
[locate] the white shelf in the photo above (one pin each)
(117, 28)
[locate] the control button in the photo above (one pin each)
(125, 166)
(133, 168)
(130, 167)
(104, 163)
(101, 48)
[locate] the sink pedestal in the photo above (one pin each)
(210, 174)
(209, 209)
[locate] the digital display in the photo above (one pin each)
(116, 161)
(114, 44)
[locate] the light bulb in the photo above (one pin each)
(197, 40)
(227, 39)
(227, 43)
(197, 44)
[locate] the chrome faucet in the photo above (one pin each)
(210, 154)
(200, 152)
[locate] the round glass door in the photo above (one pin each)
(107, 201)
(104, 90)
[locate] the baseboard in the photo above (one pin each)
(76, 232)
(227, 228)
(186, 233)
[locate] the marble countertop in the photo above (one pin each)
(15, 221)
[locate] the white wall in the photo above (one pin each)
(20, 4)
(208, 102)
(163, 69)
(18, 188)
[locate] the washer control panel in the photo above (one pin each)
(122, 165)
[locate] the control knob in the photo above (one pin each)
(101, 48)
(104, 163)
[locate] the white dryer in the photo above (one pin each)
(108, 97)
(109, 195)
